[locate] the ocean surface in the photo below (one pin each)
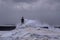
(32, 30)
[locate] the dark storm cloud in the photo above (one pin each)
(24, 1)
(57, 0)
(17, 1)
(45, 10)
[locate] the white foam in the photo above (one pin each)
(29, 28)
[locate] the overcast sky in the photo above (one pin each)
(43, 10)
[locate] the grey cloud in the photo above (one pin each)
(57, 0)
(44, 10)
(28, 1)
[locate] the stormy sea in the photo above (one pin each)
(31, 30)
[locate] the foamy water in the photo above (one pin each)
(31, 30)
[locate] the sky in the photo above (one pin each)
(47, 11)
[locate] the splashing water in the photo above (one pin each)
(32, 30)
